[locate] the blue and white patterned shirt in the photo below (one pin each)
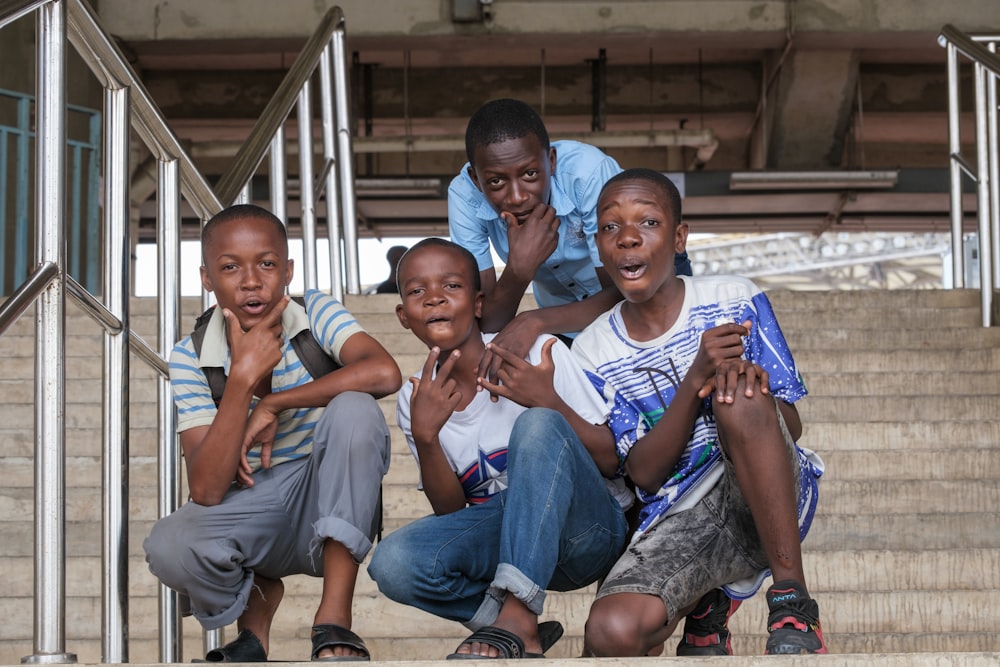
(639, 380)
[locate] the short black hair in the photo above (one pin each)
(435, 242)
(656, 178)
(241, 211)
(500, 120)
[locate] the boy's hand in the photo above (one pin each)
(433, 400)
(530, 243)
(261, 430)
(520, 381)
(517, 338)
(727, 377)
(718, 345)
(256, 352)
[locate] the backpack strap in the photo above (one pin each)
(312, 355)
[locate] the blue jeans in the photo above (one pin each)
(555, 527)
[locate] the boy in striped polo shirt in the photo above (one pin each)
(284, 471)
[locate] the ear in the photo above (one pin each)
(289, 272)
(475, 178)
(680, 240)
(552, 160)
(401, 316)
(206, 282)
(478, 307)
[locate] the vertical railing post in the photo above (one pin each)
(50, 343)
(983, 183)
(168, 294)
(993, 141)
(279, 186)
(333, 222)
(114, 556)
(345, 159)
(957, 210)
(306, 193)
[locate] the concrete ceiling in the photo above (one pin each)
(807, 85)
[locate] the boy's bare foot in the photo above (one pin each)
(265, 596)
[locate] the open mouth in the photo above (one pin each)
(254, 307)
(631, 268)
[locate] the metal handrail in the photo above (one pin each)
(258, 142)
(986, 171)
(128, 105)
(12, 10)
(112, 69)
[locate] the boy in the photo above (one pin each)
(293, 487)
(520, 500)
(540, 217)
(703, 387)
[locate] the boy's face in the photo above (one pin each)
(514, 175)
(247, 266)
(440, 304)
(637, 238)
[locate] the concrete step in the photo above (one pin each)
(865, 409)
(902, 383)
(875, 571)
(873, 464)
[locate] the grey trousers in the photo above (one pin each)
(277, 526)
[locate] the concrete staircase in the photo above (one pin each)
(904, 555)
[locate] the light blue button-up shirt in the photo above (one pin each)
(568, 274)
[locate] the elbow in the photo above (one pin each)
(386, 379)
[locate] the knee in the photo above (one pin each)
(537, 428)
(166, 552)
(743, 420)
(354, 406)
(612, 632)
(389, 568)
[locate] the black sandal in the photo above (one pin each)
(245, 648)
(329, 636)
(509, 645)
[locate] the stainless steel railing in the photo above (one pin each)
(128, 107)
(981, 50)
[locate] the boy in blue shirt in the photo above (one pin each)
(536, 204)
(703, 388)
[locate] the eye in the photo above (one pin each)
(269, 263)
(416, 291)
(494, 182)
(531, 173)
(228, 267)
(650, 222)
(609, 227)
(453, 285)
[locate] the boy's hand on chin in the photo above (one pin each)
(530, 243)
(256, 352)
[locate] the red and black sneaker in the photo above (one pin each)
(793, 621)
(706, 630)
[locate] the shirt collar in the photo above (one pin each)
(215, 347)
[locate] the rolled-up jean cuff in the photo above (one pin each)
(230, 614)
(338, 530)
(509, 578)
(488, 610)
